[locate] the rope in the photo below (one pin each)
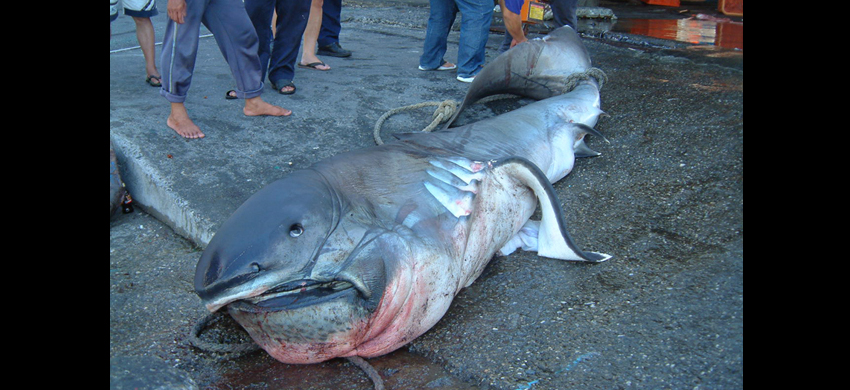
(369, 370)
(232, 349)
(446, 108)
(444, 112)
(573, 79)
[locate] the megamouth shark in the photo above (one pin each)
(364, 251)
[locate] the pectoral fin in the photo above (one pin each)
(553, 240)
(453, 182)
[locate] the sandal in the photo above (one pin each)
(230, 95)
(154, 81)
(314, 65)
(285, 83)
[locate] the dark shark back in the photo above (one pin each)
(537, 69)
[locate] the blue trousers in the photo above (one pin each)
(278, 52)
(236, 39)
(331, 24)
(476, 16)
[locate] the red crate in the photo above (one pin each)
(731, 7)
(669, 3)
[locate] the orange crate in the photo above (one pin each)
(532, 12)
(669, 3)
(731, 7)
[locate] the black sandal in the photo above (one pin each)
(288, 83)
(228, 96)
(154, 81)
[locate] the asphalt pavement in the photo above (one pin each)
(665, 198)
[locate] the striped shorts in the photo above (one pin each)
(138, 8)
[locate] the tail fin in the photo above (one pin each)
(537, 69)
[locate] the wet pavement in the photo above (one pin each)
(665, 198)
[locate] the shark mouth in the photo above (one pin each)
(297, 294)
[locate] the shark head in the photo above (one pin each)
(298, 268)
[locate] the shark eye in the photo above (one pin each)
(296, 230)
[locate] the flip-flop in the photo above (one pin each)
(314, 65)
(154, 81)
(441, 67)
(228, 96)
(284, 83)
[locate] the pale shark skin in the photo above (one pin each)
(363, 252)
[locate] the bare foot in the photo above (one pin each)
(180, 122)
(257, 107)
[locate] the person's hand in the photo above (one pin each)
(177, 10)
(516, 41)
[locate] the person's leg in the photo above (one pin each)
(260, 13)
(440, 20)
(331, 24)
(237, 40)
(145, 35)
(291, 21)
(329, 33)
(476, 16)
(179, 50)
(311, 35)
(506, 43)
(142, 11)
(564, 12)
